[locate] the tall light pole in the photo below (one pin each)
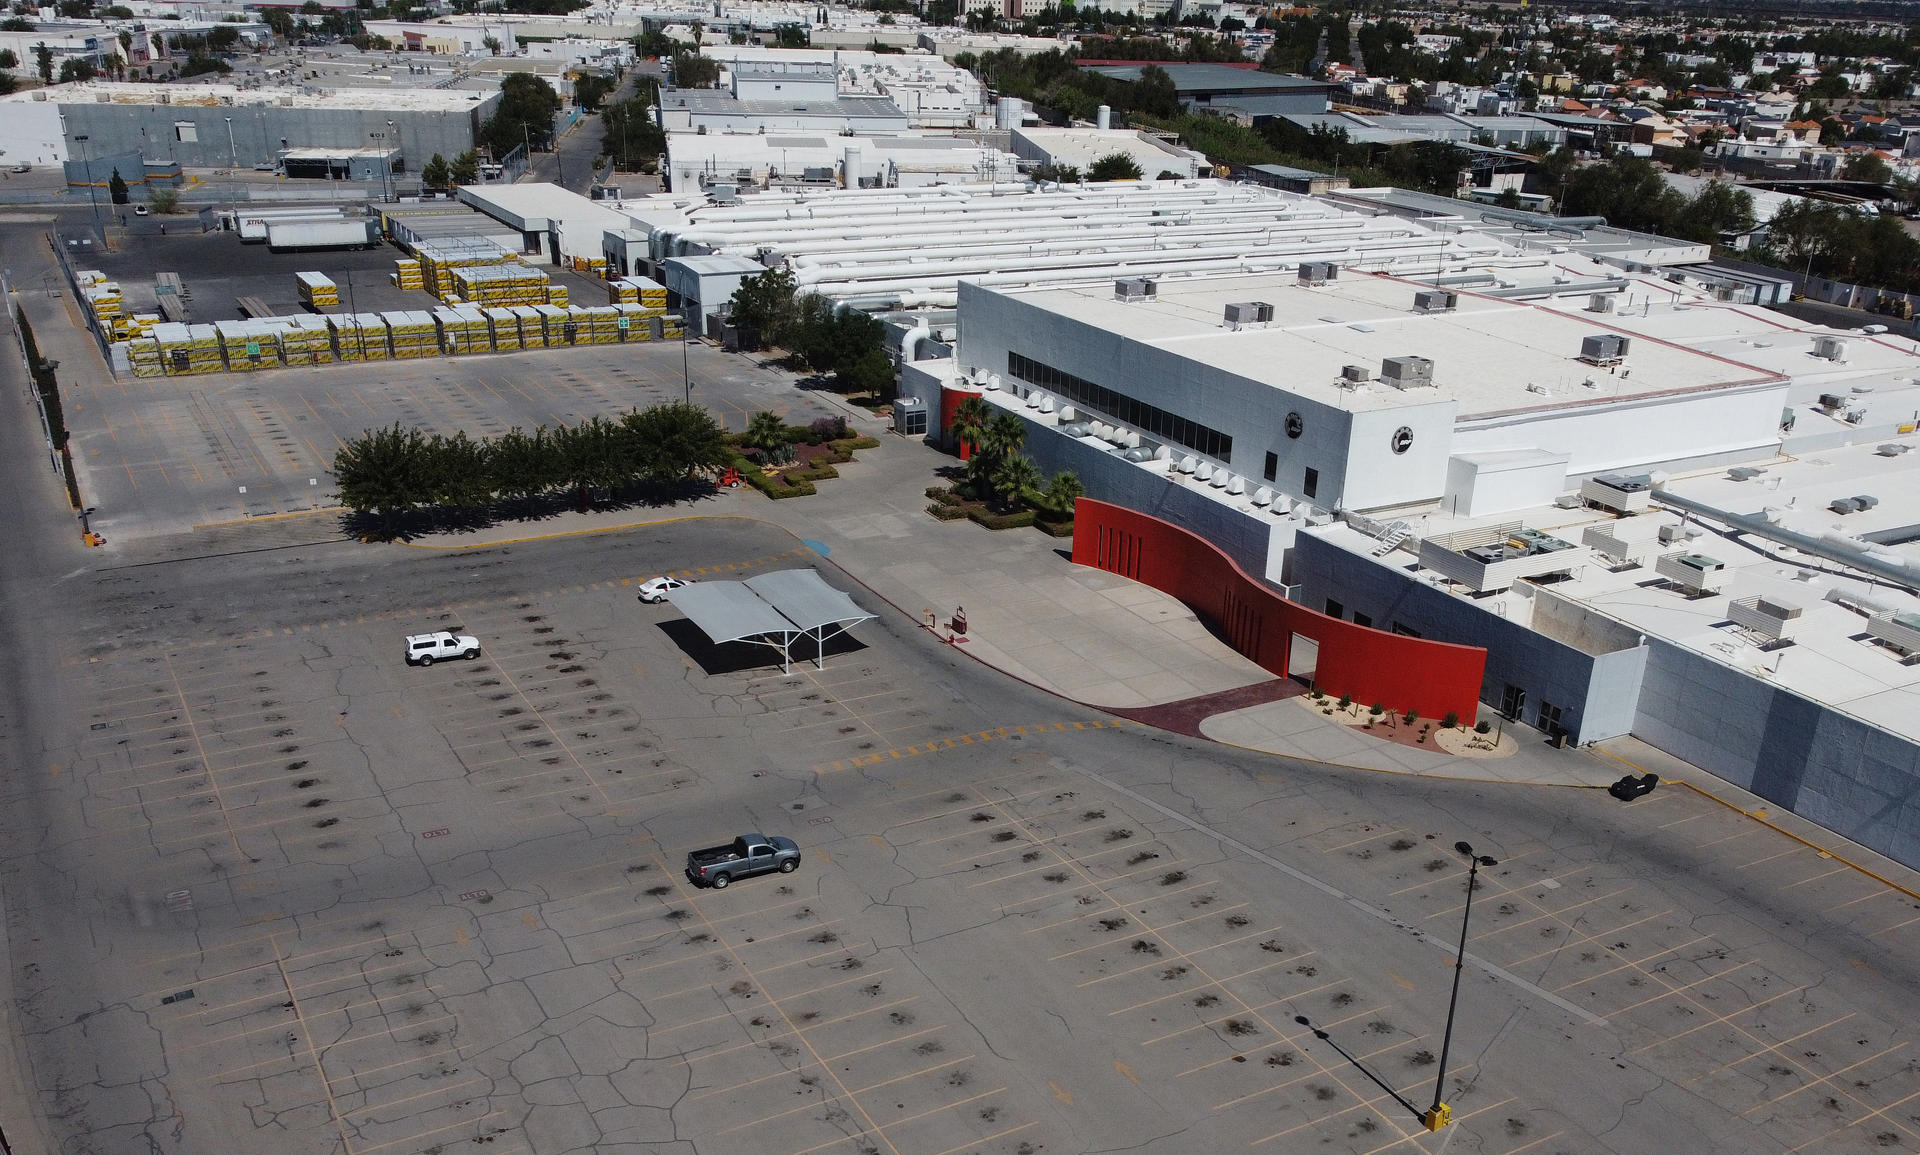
(380, 147)
(233, 175)
(86, 167)
(1439, 1115)
(686, 374)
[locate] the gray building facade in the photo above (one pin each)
(246, 135)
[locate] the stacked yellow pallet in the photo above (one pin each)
(533, 329)
(101, 295)
(504, 328)
(249, 344)
(556, 324)
(407, 275)
(595, 324)
(318, 290)
(359, 336)
(126, 328)
(441, 260)
(188, 349)
(595, 265)
(557, 295)
(496, 285)
(671, 326)
(306, 340)
(636, 322)
(413, 334)
(463, 330)
(144, 353)
(637, 291)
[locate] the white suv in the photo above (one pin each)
(426, 649)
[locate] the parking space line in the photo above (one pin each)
(306, 1034)
(464, 1123)
(1627, 964)
(1594, 936)
(1770, 1049)
(1827, 1078)
(1717, 1020)
(978, 1144)
(1862, 1120)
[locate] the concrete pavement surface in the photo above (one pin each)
(269, 889)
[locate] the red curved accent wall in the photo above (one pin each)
(1402, 673)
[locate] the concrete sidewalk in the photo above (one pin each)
(1089, 636)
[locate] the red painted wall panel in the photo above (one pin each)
(1435, 678)
(950, 399)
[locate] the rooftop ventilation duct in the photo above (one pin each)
(1604, 348)
(1830, 348)
(1407, 372)
(1435, 301)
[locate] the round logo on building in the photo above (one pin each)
(1402, 439)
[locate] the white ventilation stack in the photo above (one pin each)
(1103, 120)
(852, 163)
(1009, 113)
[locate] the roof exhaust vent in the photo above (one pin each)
(1318, 272)
(1604, 348)
(1407, 372)
(1435, 301)
(1135, 289)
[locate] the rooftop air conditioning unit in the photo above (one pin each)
(1407, 372)
(1249, 313)
(1134, 289)
(1435, 301)
(1618, 492)
(1601, 303)
(1830, 348)
(1318, 272)
(1603, 348)
(1355, 374)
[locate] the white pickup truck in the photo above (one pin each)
(426, 649)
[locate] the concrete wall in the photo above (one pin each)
(260, 132)
(1608, 433)
(1851, 777)
(1596, 692)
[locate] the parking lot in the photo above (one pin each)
(328, 902)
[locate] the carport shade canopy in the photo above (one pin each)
(773, 609)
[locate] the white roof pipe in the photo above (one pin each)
(974, 224)
(867, 201)
(845, 222)
(815, 250)
(926, 279)
(1894, 568)
(1118, 258)
(910, 343)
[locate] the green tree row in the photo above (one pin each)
(389, 473)
(996, 469)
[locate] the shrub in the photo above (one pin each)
(826, 429)
(1055, 528)
(1482, 727)
(1410, 717)
(1346, 700)
(1451, 720)
(1316, 693)
(943, 512)
(943, 494)
(1377, 710)
(824, 471)
(863, 442)
(1020, 519)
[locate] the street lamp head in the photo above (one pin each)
(1476, 859)
(1464, 848)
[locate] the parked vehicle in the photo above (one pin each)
(426, 649)
(749, 854)
(655, 590)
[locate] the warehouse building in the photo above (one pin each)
(1225, 89)
(224, 126)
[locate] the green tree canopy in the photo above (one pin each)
(1114, 166)
(524, 115)
(436, 174)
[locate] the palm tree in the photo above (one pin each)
(1062, 492)
(969, 418)
(1001, 438)
(1014, 479)
(768, 433)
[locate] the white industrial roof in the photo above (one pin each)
(1486, 353)
(1080, 147)
(227, 95)
(1832, 659)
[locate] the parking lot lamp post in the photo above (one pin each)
(1439, 1115)
(86, 167)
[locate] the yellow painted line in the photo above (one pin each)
(1760, 816)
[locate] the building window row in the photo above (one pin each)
(1120, 407)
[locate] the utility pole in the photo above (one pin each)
(93, 198)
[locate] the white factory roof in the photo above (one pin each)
(227, 95)
(1080, 147)
(1492, 356)
(1832, 659)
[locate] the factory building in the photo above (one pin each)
(223, 126)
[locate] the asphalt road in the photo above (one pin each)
(269, 889)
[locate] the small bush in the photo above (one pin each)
(1482, 727)
(826, 429)
(943, 494)
(1346, 700)
(1377, 710)
(821, 472)
(1410, 717)
(1451, 720)
(1056, 528)
(943, 512)
(863, 442)
(1017, 520)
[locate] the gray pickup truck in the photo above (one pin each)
(749, 854)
